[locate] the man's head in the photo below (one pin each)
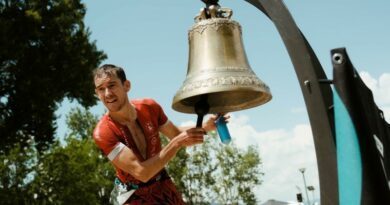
(110, 70)
(111, 86)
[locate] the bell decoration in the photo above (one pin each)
(219, 78)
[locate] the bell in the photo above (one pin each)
(219, 78)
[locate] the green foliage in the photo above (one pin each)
(177, 167)
(239, 173)
(81, 123)
(45, 56)
(74, 173)
(15, 169)
(216, 173)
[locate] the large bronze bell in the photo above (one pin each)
(218, 74)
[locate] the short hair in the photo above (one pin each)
(110, 70)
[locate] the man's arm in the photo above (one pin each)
(143, 171)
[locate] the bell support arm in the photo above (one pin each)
(317, 95)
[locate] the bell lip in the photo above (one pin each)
(262, 88)
(266, 96)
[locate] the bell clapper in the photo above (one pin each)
(201, 109)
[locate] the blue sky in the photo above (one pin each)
(149, 39)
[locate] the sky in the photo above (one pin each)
(149, 40)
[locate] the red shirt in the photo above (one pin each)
(109, 134)
(111, 137)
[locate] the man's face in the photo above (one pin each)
(112, 92)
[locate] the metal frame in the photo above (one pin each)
(316, 93)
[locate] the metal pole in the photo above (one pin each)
(302, 170)
(317, 96)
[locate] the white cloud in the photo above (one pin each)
(283, 153)
(381, 91)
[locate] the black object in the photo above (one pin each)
(210, 2)
(373, 134)
(299, 197)
(163, 175)
(202, 107)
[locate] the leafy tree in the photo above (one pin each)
(238, 174)
(73, 173)
(177, 168)
(77, 173)
(216, 173)
(45, 55)
(81, 123)
(15, 169)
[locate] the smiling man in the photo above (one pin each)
(128, 134)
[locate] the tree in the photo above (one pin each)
(216, 173)
(45, 56)
(73, 173)
(77, 173)
(15, 169)
(81, 123)
(238, 174)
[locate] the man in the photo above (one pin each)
(128, 134)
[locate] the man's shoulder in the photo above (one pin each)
(144, 102)
(102, 127)
(105, 135)
(102, 122)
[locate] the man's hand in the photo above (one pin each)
(190, 137)
(145, 170)
(209, 125)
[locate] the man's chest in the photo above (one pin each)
(138, 137)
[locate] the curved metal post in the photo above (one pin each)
(317, 95)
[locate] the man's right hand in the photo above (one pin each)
(190, 137)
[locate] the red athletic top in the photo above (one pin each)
(111, 137)
(109, 134)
